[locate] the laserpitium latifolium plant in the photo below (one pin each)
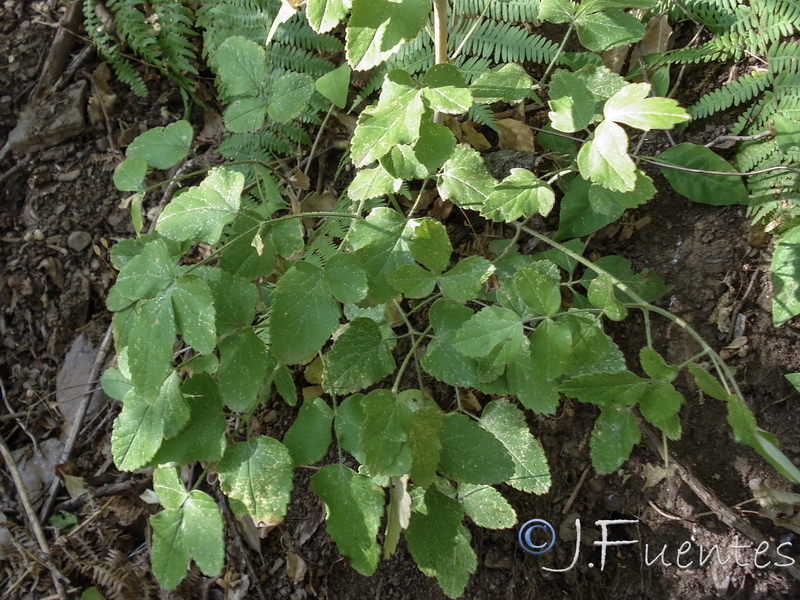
(236, 290)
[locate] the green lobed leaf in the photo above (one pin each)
(348, 424)
(245, 114)
(646, 284)
(521, 194)
(194, 313)
(203, 438)
(129, 174)
(441, 359)
(505, 83)
(463, 282)
(793, 378)
(258, 473)
(614, 435)
(785, 274)
(413, 281)
(234, 299)
(359, 357)
(530, 384)
(200, 213)
(539, 286)
(445, 90)
(470, 454)
(137, 432)
(309, 436)
(486, 506)
(660, 405)
(551, 347)
(372, 183)
(346, 278)
(142, 276)
(304, 314)
(507, 423)
(631, 106)
(395, 119)
(490, 327)
(592, 349)
(353, 511)
(578, 217)
(430, 245)
(240, 66)
(115, 384)
(605, 160)
(464, 179)
(324, 15)
(377, 28)
(604, 201)
(655, 365)
(434, 146)
(602, 31)
(601, 294)
(194, 530)
(571, 103)
(381, 243)
(162, 147)
(606, 389)
(718, 190)
(384, 436)
(787, 133)
(151, 338)
(172, 407)
(335, 84)
(439, 543)
(600, 80)
(289, 96)
(423, 439)
(242, 356)
(558, 11)
(240, 256)
(709, 384)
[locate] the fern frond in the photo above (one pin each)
(753, 155)
(480, 114)
(297, 33)
(504, 42)
(416, 56)
(785, 57)
(510, 11)
(108, 47)
(175, 31)
(472, 67)
(221, 19)
(734, 93)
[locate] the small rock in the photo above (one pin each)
(79, 240)
(50, 120)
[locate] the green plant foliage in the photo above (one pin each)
(785, 271)
(189, 526)
(702, 187)
(245, 281)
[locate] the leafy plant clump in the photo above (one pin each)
(242, 285)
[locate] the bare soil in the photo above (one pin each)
(59, 214)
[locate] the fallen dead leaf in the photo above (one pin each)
(474, 138)
(515, 135)
(657, 34)
(296, 567)
(615, 58)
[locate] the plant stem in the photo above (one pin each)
(553, 62)
(440, 41)
(723, 370)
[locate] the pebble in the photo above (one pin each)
(79, 240)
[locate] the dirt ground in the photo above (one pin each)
(59, 214)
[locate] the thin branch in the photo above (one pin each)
(30, 514)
